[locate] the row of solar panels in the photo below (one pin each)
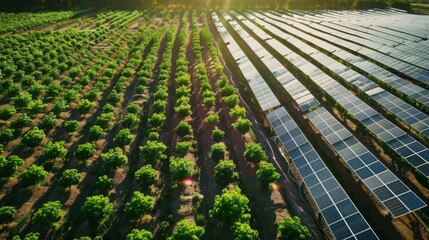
(337, 209)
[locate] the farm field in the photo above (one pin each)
(226, 124)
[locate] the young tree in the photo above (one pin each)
(186, 230)
(104, 183)
(84, 106)
(33, 137)
(267, 174)
(130, 121)
(124, 137)
(254, 153)
(114, 158)
(212, 120)
(69, 177)
(34, 174)
(232, 100)
(96, 208)
(22, 121)
(9, 165)
(227, 90)
(48, 214)
(6, 135)
(217, 152)
(146, 176)
(183, 129)
(48, 122)
(71, 125)
(182, 168)
(291, 228)
(153, 151)
(242, 125)
(96, 133)
(224, 173)
(22, 100)
(7, 112)
(237, 112)
(36, 106)
(84, 151)
(133, 108)
(217, 135)
(183, 110)
(182, 148)
(139, 235)
(230, 207)
(28, 236)
(6, 214)
(139, 205)
(54, 150)
(157, 120)
(243, 231)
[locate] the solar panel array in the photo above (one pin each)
(339, 212)
(390, 191)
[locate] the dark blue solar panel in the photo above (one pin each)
(412, 201)
(331, 215)
(383, 193)
(340, 230)
(346, 207)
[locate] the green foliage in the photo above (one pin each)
(181, 168)
(84, 106)
(6, 135)
(7, 112)
(84, 151)
(230, 207)
(157, 120)
(22, 100)
(32, 175)
(54, 150)
(254, 153)
(104, 119)
(114, 158)
(130, 121)
(48, 214)
(124, 137)
(218, 135)
(9, 165)
(267, 174)
(96, 208)
(104, 183)
(48, 122)
(243, 231)
(291, 228)
(29, 236)
(139, 205)
(33, 137)
(159, 106)
(224, 173)
(146, 176)
(212, 120)
(96, 133)
(153, 151)
(238, 112)
(183, 110)
(36, 107)
(186, 230)
(69, 177)
(22, 121)
(133, 108)
(217, 152)
(182, 148)
(139, 235)
(227, 90)
(71, 125)
(232, 100)
(183, 129)
(6, 214)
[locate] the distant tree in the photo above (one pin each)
(34, 174)
(9, 165)
(71, 125)
(22, 121)
(48, 214)
(114, 158)
(230, 207)
(139, 235)
(146, 176)
(217, 152)
(232, 100)
(224, 173)
(22, 100)
(139, 205)
(48, 122)
(96, 133)
(217, 135)
(212, 120)
(60, 106)
(159, 106)
(157, 120)
(54, 150)
(124, 137)
(96, 208)
(69, 177)
(84, 106)
(238, 112)
(243, 231)
(153, 151)
(6, 135)
(291, 228)
(29, 236)
(133, 108)
(6, 214)
(182, 148)
(227, 90)
(104, 119)
(104, 183)
(36, 107)
(186, 230)
(7, 112)
(33, 137)
(242, 125)
(209, 101)
(181, 168)
(183, 129)
(183, 110)
(267, 174)
(84, 151)
(130, 121)
(254, 153)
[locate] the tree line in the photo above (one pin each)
(40, 5)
